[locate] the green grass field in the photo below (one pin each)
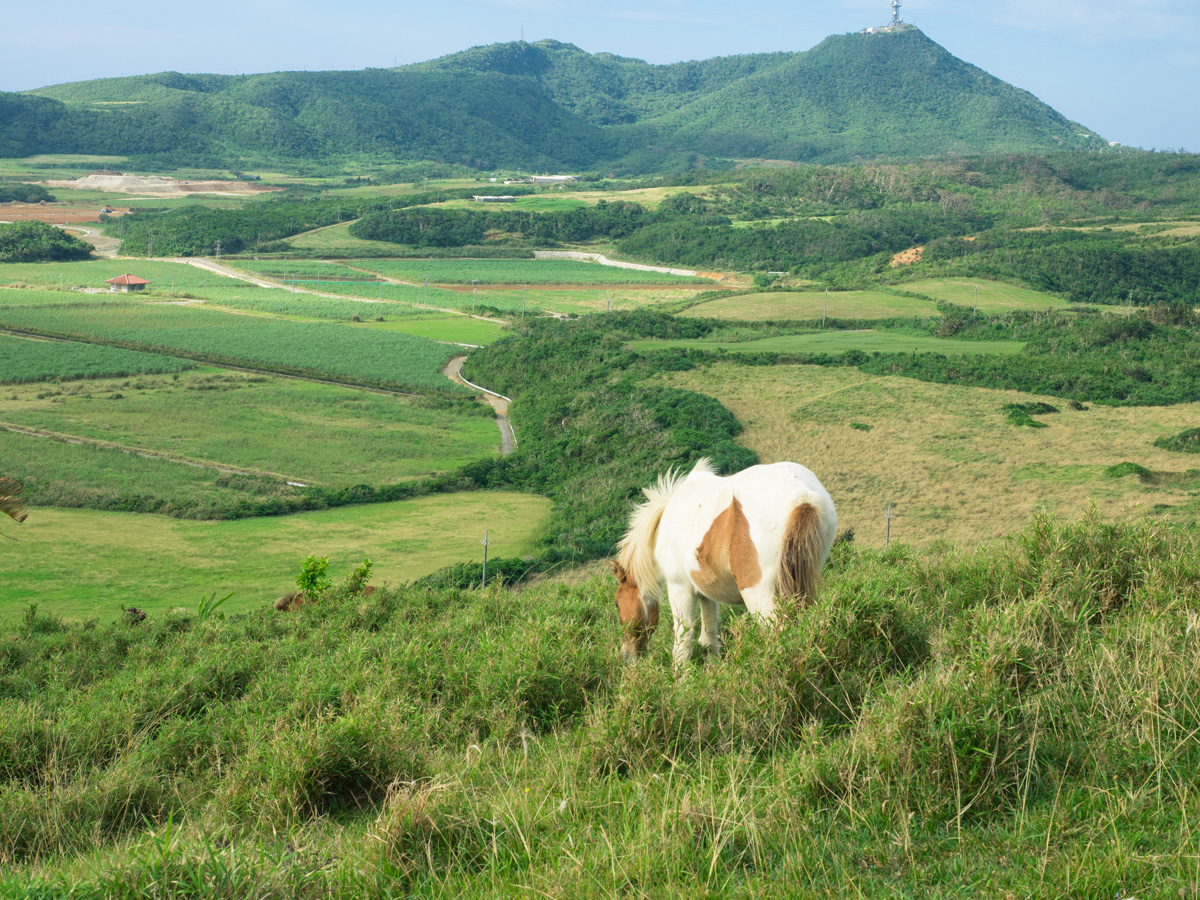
(994, 296)
(446, 329)
(336, 241)
(842, 341)
(319, 349)
(516, 272)
(84, 563)
(1018, 721)
(809, 305)
(312, 433)
(24, 360)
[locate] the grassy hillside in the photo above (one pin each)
(946, 457)
(84, 564)
(1020, 720)
(550, 105)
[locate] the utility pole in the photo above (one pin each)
(172, 285)
(150, 247)
(887, 533)
(218, 245)
(474, 291)
(975, 311)
(1131, 303)
(483, 582)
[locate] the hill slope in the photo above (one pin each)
(551, 105)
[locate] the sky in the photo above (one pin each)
(1129, 71)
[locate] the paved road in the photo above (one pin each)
(499, 404)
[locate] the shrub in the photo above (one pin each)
(1120, 470)
(1184, 442)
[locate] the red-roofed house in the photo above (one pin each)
(127, 283)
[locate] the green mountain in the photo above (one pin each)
(550, 105)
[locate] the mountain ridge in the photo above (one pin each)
(549, 104)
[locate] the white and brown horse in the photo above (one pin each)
(744, 539)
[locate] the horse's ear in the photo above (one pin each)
(618, 570)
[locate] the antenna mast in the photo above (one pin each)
(896, 20)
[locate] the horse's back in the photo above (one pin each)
(750, 511)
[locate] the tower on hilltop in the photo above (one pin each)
(896, 24)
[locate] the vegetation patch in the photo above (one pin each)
(322, 350)
(1185, 442)
(1124, 469)
(24, 361)
(1021, 414)
(965, 477)
(90, 564)
(22, 242)
(354, 754)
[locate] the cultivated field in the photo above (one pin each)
(829, 341)
(945, 456)
(319, 349)
(453, 329)
(516, 272)
(281, 427)
(994, 296)
(810, 305)
(84, 563)
(24, 360)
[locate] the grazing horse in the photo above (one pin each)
(742, 539)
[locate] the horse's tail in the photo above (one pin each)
(802, 554)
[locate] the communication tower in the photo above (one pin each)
(896, 20)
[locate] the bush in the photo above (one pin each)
(1184, 442)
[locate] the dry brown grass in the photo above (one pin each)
(945, 456)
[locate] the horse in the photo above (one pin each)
(741, 540)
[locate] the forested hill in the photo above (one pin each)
(549, 105)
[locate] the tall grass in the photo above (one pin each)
(1017, 720)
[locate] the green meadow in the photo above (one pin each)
(868, 341)
(446, 329)
(283, 427)
(809, 305)
(994, 296)
(515, 271)
(88, 564)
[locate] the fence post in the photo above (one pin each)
(483, 582)
(887, 533)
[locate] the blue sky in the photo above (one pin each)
(1131, 71)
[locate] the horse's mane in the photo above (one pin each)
(636, 549)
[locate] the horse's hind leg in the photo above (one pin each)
(710, 626)
(683, 611)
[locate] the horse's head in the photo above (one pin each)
(639, 617)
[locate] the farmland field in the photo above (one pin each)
(841, 341)
(312, 433)
(516, 272)
(945, 456)
(360, 355)
(23, 361)
(84, 563)
(812, 304)
(446, 329)
(994, 296)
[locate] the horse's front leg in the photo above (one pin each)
(710, 626)
(683, 612)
